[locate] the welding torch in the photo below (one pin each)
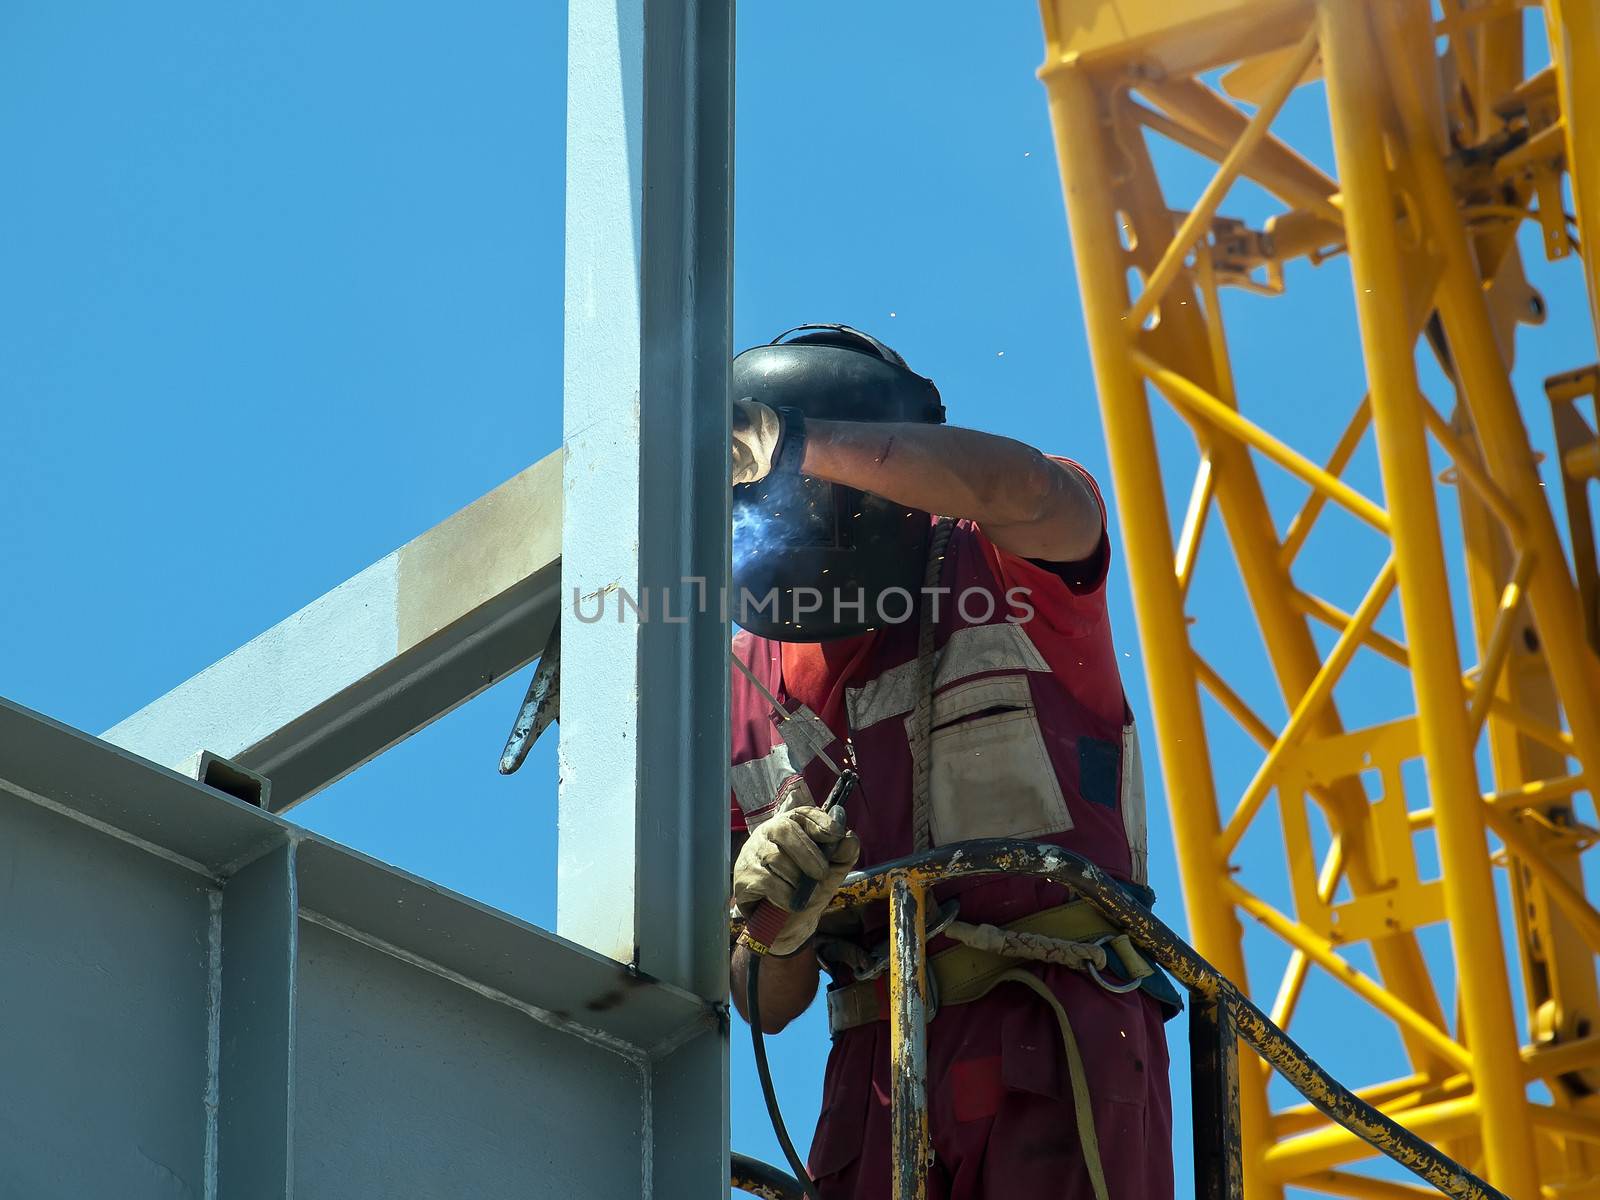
(766, 923)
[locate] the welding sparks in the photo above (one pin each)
(758, 518)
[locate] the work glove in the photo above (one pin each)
(798, 841)
(757, 430)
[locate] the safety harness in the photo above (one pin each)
(1072, 935)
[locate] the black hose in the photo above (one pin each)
(758, 1042)
(757, 1178)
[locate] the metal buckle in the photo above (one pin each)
(1094, 971)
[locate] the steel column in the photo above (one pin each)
(644, 733)
(643, 855)
(258, 940)
(1356, 84)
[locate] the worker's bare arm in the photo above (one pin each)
(788, 986)
(1027, 504)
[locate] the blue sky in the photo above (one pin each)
(281, 287)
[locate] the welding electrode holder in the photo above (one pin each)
(765, 924)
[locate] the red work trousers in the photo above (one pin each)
(1001, 1114)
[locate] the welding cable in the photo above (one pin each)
(761, 1179)
(758, 1043)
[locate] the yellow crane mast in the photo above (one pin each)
(1443, 146)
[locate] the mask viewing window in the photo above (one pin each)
(793, 513)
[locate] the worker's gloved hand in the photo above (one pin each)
(757, 431)
(798, 841)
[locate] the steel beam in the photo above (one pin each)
(204, 1000)
(385, 653)
(643, 511)
(105, 1045)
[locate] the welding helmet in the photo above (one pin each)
(814, 561)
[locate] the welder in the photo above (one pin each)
(924, 606)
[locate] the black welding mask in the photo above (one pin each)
(815, 561)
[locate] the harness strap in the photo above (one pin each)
(920, 729)
(1036, 947)
(1074, 935)
(988, 956)
(1087, 1137)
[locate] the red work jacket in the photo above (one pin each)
(1032, 738)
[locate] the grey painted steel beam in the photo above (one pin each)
(204, 1000)
(380, 656)
(105, 1042)
(644, 699)
(367, 1033)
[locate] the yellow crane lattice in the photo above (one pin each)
(1444, 145)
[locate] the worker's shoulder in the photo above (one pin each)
(754, 652)
(1068, 461)
(746, 644)
(1073, 465)
(1069, 596)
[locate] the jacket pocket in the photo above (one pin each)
(990, 774)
